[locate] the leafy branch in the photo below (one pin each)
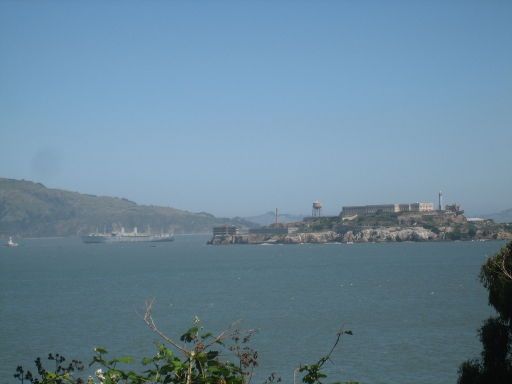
(313, 372)
(196, 357)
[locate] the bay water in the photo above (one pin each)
(414, 308)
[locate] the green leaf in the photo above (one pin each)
(213, 369)
(124, 360)
(97, 359)
(190, 335)
(147, 360)
(206, 335)
(167, 369)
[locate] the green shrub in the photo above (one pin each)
(495, 365)
(196, 359)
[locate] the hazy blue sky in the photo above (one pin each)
(236, 108)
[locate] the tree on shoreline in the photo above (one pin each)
(495, 365)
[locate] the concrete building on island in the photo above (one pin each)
(422, 207)
(365, 210)
(225, 230)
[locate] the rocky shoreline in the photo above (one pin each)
(366, 235)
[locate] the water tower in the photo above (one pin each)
(317, 209)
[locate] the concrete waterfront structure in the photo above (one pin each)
(365, 210)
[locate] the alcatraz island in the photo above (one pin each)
(370, 223)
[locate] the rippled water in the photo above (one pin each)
(413, 307)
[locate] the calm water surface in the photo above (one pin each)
(414, 308)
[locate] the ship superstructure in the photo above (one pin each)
(126, 237)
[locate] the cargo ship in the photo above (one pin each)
(126, 237)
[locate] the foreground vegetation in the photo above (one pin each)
(199, 357)
(495, 364)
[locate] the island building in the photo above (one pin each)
(421, 207)
(476, 220)
(365, 210)
(269, 230)
(231, 230)
(454, 208)
(225, 230)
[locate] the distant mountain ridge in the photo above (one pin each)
(504, 216)
(30, 209)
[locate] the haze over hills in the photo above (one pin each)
(504, 216)
(30, 209)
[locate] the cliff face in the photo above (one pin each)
(363, 236)
(390, 234)
(300, 238)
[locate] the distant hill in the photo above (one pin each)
(31, 209)
(269, 218)
(501, 217)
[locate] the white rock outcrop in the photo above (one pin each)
(390, 234)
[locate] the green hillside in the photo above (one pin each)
(31, 209)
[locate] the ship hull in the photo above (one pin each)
(101, 239)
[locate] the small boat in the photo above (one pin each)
(11, 243)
